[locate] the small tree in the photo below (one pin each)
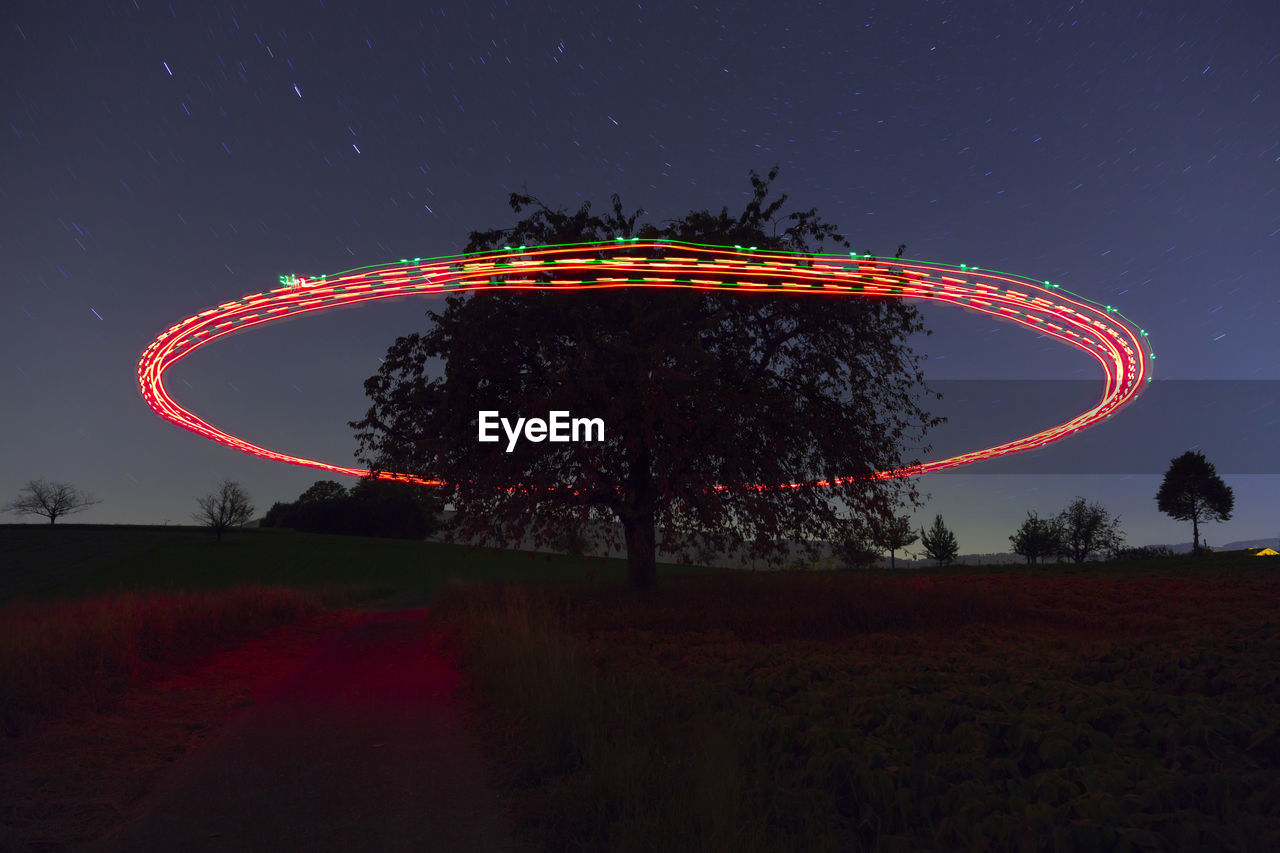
(50, 500)
(939, 542)
(1193, 491)
(224, 509)
(1087, 529)
(1037, 538)
(897, 534)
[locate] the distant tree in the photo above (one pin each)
(855, 552)
(571, 541)
(939, 542)
(1146, 552)
(321, 491)
(281, 514)
(1193, 491)
(369, 508)
(224, 509)
(1037, 538)
(1087, 529)
(897, 534)
(50, 500)
(392, 510)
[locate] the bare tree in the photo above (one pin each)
(50, 500)
(224, 509)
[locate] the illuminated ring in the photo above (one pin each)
(1121, 349)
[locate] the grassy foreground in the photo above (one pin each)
(1127, 707)
(69, 562)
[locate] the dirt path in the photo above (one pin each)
(362, 747)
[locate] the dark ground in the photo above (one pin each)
(362, 746)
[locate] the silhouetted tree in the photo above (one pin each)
(321, 491)
(856, 553)
(50, 500)
(1086, 529)
(369, 508)
(1037, 538)
(1193, 491)
(897, 534)
(939, 542)
(696, 390)
(224, 509)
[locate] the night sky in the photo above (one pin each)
(160, 159)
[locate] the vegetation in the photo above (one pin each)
(1193, 491)
(823, 387)
(369, 508)
(1086, 530)
(939, 542)
(56, 657)
(224, 509)
(1127, 703)
(856, 553)
(1037, 538)
(50, 500)
(79, 561)
(1115, 709)
(897, 534)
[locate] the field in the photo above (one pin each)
(77, 561)
(1122, 706)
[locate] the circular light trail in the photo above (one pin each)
(1120, 348)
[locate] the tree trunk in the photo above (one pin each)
(642, 562)
(893, 559)
(1195, 535)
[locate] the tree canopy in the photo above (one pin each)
(369, 508)
(1037, 538)
(939, 542)
(1193, 491)
(703, 396)
(897, 534)
(1086, 529)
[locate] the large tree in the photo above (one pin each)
(50, 500)
(703, 396)
(1086, 529)
(1193, 491)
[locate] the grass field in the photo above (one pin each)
(68, 562)
(123, 647)
(1120, 707)
(1113, 706)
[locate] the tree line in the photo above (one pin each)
(1191, 491)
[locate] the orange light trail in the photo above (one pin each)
(1121, 350)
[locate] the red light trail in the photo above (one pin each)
(1122, 350)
